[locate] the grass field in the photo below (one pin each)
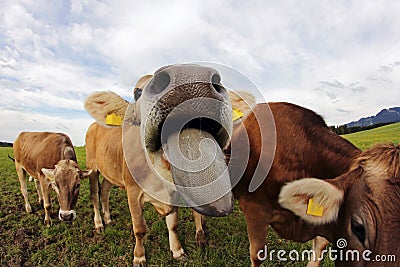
(25, 241)
(384, 134)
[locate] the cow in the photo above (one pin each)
(122, 154)
(50, 159)
(360, 208)
(104, 155)
(355, 193)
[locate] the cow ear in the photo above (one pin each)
(49, 173)
(50, 179)
(143, 81)
(314, 200)
(242, 102)
(85, 174)
(107, 108)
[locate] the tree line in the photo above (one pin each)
(5, 144)
(343, 129)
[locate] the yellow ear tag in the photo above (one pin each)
(113, 119)
(236, 114)
(314, 209)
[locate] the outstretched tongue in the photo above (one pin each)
(199, 171)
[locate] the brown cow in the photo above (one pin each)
(358, 192)
(104, 155)
(50, 159)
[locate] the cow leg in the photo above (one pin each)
(22, 181)
(257, 221)
(318, 245)
(46, 200)
(139, 225)
(94, 198)
(174, 243)
(39, 191)
(199, 220)
(105, 197)
(257, 231)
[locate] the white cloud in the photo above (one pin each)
(56, 52)
(14, 122)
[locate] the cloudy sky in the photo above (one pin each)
(339, 58)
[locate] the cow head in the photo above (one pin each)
(184, 114)
(65, 180)
(362, 206)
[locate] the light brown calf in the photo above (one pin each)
(104, 154)
(50, 159)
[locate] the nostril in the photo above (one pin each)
(160, 82)
(216, 78)
(70, 217)
(216, 82)
(66, 217)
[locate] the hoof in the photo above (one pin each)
(140, 264)
(182, 258)
(47, 223)
(107, 221)
(28, 208)
(139, 261)
(201, 239)
(99, 229)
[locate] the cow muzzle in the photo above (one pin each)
(66, 215)
(186, 118)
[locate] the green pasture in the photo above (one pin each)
(384, 134)
(25, 241)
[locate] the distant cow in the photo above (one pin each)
(357, 193)
(50, 159)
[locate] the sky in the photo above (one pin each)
(338, 58)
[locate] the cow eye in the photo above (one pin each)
(137, 93)
(358, 230)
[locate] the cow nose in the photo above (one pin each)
(159, 83)
(67, 216)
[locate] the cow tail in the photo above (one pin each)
(10, 157)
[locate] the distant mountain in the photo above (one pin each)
(383, 116)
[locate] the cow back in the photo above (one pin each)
(305, 147)
(37, 150)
